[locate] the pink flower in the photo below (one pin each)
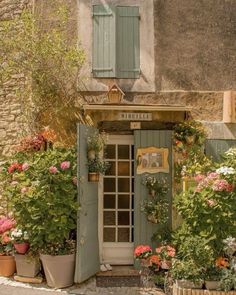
(25, 166)
(65, 165)
(14, 183)
(222, 185)
(199, 177)
(53, 170)
(211, 202)
(24, 190)
(6, 224)
(142, 251)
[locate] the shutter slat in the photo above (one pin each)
(104, 41)
(128, 47)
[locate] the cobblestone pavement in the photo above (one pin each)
(11, 287)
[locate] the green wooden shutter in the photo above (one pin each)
(127, 40)
(144, 230)
(104, 41)
(87, 257)
(216, 147)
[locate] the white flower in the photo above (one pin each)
(226, 170)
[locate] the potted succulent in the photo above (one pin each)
(187, 274)
(44, 188)
(95, 167)
(95, 144)
(7, 261)
(166, 254)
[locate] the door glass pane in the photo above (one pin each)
(123, 218)
(123, 169)
(123, 185)
(123, 202)
(109, 234)
(109, 218)
(109, 185)
(109, 202)
(123, 151)
(123, 234)
(112, 169)
(110, 151)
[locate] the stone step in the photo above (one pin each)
(119, 276)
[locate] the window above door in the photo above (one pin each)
(116, 42)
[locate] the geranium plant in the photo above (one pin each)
(6, 225)
(142, 252)
(166, 252)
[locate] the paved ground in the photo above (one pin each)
(11, 287)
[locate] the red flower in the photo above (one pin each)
(14, 167)
(142, 251)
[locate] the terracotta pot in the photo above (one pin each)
(59, 270)
(91, 155)
(21, 248)
(187, 284)
(212, 285)
(7, 266)
(93, 177)
(27, 266)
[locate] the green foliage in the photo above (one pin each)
(158, 186)
(43, 198)
(96, 142)
(228, 280)
(186, 129)
(186, 270)
(97, 165)
(46, 58)
(156, 210)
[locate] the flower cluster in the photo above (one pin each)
(64, 166)
(19, 236)
(214, 181)
(142, 251)
(6, 224)
(226, 170)
(166, 252)
(15, 167)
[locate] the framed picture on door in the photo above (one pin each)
(152, 160)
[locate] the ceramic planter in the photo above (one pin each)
(7, 266)
(21, 248)
(187, 284)
(212, 285)
(27, 266)
(59, 270)
(93, 177)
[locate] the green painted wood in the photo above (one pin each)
(104, 41)
(150, 138)
(216, 147)
(128, 42)
(87, 257)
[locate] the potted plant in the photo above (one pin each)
(212, 278)
(95, 167)
(187, 274)
(155, 210)
(7, 261)
(46, 188)
(166, 254)
(143, 253)
(155, 187)
(20, 240)
(95, 144)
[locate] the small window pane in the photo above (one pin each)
(123, 218)
(132, 185)
(123, 234)
(109, 218)
(123, 152)
(109, 235)
(123, 169)
(109, 202)
(132, 235)
(110, 151)
(132, 164)
(123, 185)
(132, 201)
(109, 185)
(123, 202)
(112, 169)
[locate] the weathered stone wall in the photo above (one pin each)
(11, 116)
(195, 44)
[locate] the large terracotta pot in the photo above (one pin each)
(27, 266)
(7, 266)
(21, 248)
(212, 285)
(59, 270)
(187, 284)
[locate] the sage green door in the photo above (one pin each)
(87, 256)
(144, 230)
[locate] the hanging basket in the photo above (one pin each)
(93, 177)
(152, 192)
(190, 139)
(91, 155)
